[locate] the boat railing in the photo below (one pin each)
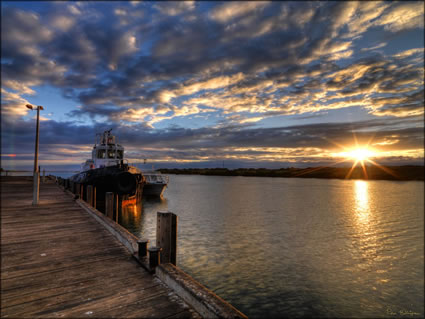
(157, 178)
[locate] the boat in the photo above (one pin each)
(108, 171)
(155, 183)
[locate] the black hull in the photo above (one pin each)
(122, 179)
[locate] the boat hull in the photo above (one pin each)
(150, 189)
(124, 180)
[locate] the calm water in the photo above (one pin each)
(277, 247)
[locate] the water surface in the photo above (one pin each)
(277, 247)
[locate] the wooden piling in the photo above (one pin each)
(116, 207)
(77, 188)
(89, 196)
(166, 236)
(109, 205)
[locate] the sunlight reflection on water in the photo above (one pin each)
(362, 201)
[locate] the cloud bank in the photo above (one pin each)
(235, 71)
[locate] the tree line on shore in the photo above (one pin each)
(408, 172)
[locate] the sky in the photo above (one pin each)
(213, 84)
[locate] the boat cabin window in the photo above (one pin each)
(101, 154)
(120, 154)
(111, 153)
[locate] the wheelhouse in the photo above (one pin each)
(106, 152)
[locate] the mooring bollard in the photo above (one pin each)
(143, 247)
(89, 195)
(154, 257)
(109, 205)
(166, 236)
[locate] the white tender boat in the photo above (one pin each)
(155, 183)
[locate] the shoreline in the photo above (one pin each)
(393, 173)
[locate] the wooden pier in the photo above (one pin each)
(58, 261)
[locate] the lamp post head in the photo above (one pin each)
(31, 107)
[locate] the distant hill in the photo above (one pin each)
(400, 173)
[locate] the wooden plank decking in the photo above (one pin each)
(57, 261)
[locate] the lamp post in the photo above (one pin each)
(36, 187)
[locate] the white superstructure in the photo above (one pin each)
(106, 152)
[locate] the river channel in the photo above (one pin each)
(295, 247)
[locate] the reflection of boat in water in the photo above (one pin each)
(108, 173)
(155, 183)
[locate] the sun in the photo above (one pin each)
(360, 154)
(357, 154)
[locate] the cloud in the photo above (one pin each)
(402, 16)
(175, 7)
(20, 87)
(74, 9)
(410, 104)
(378, 46)
(12, 106)
(193, 87)
(368, 12)
(21, 29)
(410, 52)
(225, 12)
(63, 23)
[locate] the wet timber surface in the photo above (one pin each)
(57, 261)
